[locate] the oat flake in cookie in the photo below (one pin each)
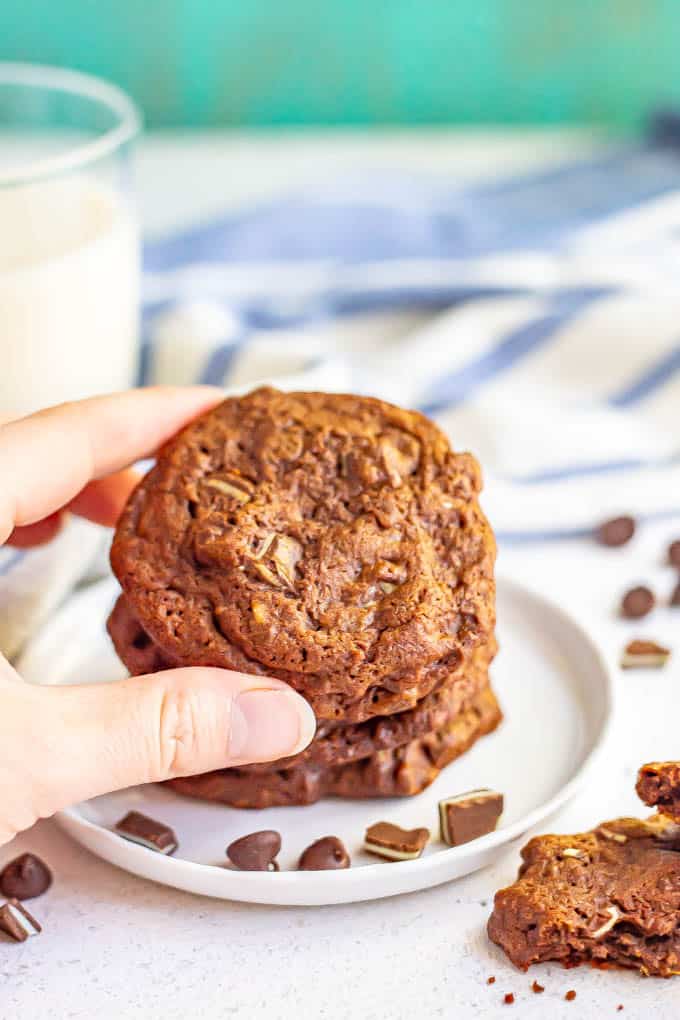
(335, 542)
(610, 897)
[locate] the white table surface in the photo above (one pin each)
(115, 946)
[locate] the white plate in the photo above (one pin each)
(554, 688)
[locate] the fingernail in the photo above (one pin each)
(266, 725)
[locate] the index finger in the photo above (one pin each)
(49, 457)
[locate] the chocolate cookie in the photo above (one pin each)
(610, 896)
(398, 773)
(140, 654)
(334, 743)
(335, 542)
(659, 786)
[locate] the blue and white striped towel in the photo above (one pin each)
(537, 319)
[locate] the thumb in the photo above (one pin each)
(145, 729)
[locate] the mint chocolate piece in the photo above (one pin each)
(395, 843)
(468, 816)
(640, 654)
(138, 828)
(16, 921)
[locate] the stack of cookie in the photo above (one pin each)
(337, 543)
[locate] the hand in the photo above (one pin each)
(59, 745)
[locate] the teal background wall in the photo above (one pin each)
(282, 62)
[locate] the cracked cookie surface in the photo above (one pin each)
(335, 542)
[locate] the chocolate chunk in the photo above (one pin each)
(138, 828)
(16, 921)
(256, 852)
(570, 995)
(637, 603)
(536, 988)
(615, 532)
(644, 655)
(25, 877)
(675, 597)
(326, 854)
(469, 815)
(674, 553)
(508, 998)
(394, 843)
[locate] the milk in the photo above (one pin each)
(69, 293)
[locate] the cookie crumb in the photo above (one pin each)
(491, 980)
(537, 988)
(570, 995)
(619, 1008)
(509, 999)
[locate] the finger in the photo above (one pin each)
(39, 533)
(102, 501)
(150, 728)
(49, 457)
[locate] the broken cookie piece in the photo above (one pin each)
(394, 843)
(644, 655)
(16, 921)
(658, 785)
(610, 896)
(468, 816)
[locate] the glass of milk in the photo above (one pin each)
(69, 239)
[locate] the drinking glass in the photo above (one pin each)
(69, 238)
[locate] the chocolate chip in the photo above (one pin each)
(25, 877)
(508, 998)
(644, 655)
(674, 553)
(327, 854)
(637, 603)
(256, 852)
(395, 843)
(468, 816)
(675, 597)
(537, 988)
(615, 532)
(139, 828)
(491, 980)
(570, 995)
(16, 921)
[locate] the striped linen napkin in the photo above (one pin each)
(537, 319)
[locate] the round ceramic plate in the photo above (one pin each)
(554, 688)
